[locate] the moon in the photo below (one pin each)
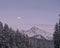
(18, 17)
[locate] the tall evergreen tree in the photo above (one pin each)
(56, 45)
(59, 34)
(1, 26)
(6, 28)
(56, 35)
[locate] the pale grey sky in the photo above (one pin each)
(30, 11)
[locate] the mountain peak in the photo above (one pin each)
(37, 33)
(35, 28)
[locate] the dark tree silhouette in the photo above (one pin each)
(56, 35)
(1, 26)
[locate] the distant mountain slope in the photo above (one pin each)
(37, 33)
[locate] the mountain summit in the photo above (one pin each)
(38, 33)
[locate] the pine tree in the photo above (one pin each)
(59, 34)
(56, 35)
(6, 28)
(1, 26)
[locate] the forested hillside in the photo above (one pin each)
(14, 39)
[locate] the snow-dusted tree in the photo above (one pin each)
(1, 26)
(55, 38)
(56, 35)
(6, 28)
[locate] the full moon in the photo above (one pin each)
(18, 17)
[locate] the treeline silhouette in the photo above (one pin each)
(12, 39)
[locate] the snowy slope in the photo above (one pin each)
(37, 33)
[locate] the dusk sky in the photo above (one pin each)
(29, 11)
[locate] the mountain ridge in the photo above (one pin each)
(33, 31)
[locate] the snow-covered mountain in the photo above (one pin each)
(37, 33)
